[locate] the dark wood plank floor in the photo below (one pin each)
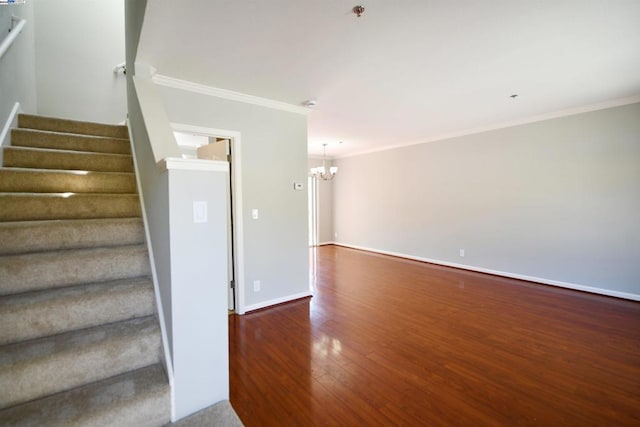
(387, 341)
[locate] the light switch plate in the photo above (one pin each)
(255, 214)
(298, 186)
(200, 212)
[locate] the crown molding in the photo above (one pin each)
(188, 86)
(532, 119)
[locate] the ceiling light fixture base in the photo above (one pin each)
(358, 10)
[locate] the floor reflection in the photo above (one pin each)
(326, 345)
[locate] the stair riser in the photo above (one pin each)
(36, 315)
(91, 358)
(48, 159)
(23, 273)
(34, 236)
(25, 207)
(71, 126)
(63, 141)
(60, 182)
(141, 398)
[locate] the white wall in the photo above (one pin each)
(199, 289)
(557, 200)
(78, 42)
(274, 156)
(325, 204)
(17, 66)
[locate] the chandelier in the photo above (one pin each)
(322, 171)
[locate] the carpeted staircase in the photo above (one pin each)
(80, 342)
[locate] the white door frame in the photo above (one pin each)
(313, 210)
(236, 183)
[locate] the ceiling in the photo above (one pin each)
(406, 71)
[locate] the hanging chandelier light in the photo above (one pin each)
(322, 171)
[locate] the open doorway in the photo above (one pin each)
(219, 145)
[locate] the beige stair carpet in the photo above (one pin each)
(79, 340)
(221, 414)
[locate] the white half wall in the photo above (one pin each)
(78, 43)
(188, 252)
(200, 339)
(557, 200)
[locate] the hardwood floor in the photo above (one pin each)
(388, 341)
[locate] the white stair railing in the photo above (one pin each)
(17, 24)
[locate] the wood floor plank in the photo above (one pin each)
(389, 341)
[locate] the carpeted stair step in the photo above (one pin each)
(38, 158)
(137, 398)
(220, 414)
(57, 269)
(53, 364)
(71, 126)
(38, 314)
(68, 141)
(34, 236)
(58, 181)
(46, 206)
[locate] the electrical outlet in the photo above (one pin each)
(255, 214)
(256, 286)
(462, 253)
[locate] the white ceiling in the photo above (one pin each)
(407, 70)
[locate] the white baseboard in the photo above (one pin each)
(264, 304)
(326, 243)
(574, 286)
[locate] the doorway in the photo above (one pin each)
(220, 145)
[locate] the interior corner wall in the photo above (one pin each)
(556, 200)
(17, 65)
(77, 44)
(325, 204)
(274, 156)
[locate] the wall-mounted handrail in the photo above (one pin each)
(17, 24)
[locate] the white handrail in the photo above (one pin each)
(15, 30)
